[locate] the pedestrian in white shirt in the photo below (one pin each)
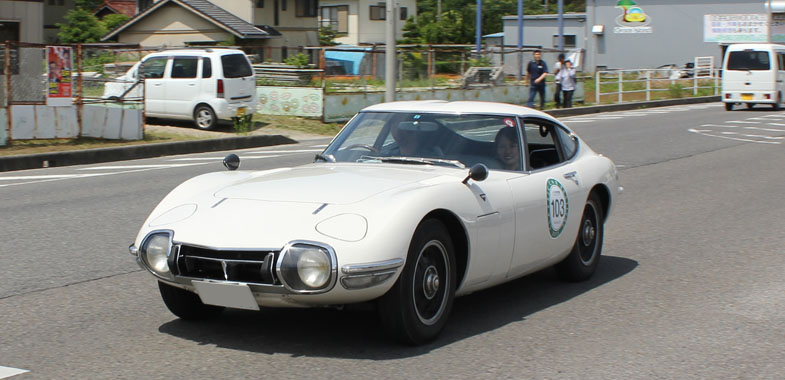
(566, 76)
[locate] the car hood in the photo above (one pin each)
(324, 183)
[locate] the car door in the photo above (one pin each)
(549, 201)
(154, 70)
(182, 87)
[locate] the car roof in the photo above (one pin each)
(192, 52)
(458, 107)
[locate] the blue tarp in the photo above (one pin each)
(350, 60)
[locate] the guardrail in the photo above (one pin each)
(652, 81)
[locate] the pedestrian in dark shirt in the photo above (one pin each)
(537, 70)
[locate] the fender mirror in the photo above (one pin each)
(478, 172)
(232, 161)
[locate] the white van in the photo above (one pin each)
(753, 74)
(203, 85)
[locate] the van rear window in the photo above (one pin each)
(236, 66)
(749, 60)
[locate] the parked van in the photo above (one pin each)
(754, 74)
(203, 85)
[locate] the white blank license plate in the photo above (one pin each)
(236, 296)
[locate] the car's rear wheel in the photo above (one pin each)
(750, 106)
(777, 106)
(728, 106)
(416, 309)
(204, 117)
(185, 304)
(582, 261)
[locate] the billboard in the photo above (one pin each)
(59, 88)
(732, 28)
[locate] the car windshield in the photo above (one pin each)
(748, 60)
(236, 66)
(425, 139)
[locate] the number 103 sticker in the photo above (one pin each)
(558, 207)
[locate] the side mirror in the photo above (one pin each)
(232, 162)
(478, 172)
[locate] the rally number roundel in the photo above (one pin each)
(558, 207)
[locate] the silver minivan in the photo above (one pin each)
(203, 85)
(753, 74)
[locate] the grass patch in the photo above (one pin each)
(22, 147)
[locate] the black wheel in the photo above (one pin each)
(416, 309)
(204, 117)
(750, 106)
(582, 261)
(728, 106)
(185, 304)
(776, 106)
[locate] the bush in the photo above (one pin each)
(676, 90)
(299, 60)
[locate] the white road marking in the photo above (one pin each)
(743, 122)
(286, 151)
(219, 159)
(158, 166)
(319, 146)
(777, 124)
(78, 176)
(579, 121)
(6, 372)
(766, 129)
(720, 126)
(700, 132)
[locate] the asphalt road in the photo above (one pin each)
(691, 283)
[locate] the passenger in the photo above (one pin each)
(507, 149)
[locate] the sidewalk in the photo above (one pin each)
(90, 156)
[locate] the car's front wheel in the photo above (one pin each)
(728, 106)
(582, 261)
(204, 117)
(416, 309)
(185, 304)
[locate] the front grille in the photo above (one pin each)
(255, 267)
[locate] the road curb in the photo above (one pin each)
(131, 152)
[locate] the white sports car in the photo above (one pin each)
(411, 205)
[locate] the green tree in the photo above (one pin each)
(327, 36)
(88, 5)
(82, 27)
(114, 20)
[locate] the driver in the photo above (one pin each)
(413, 142)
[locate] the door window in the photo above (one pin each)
(547, 144)
(184, 67)
(154, 67)
(207, 67)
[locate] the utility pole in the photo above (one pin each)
(390, 58)
(478, 33)
(438, 10)
(561, 24)
(520, 40)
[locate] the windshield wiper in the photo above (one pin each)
(422, 161)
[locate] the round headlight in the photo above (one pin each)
(156, 252)
(313, 267)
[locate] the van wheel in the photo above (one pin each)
(776, 106)
(728, 106)
(750, 106)
(204, 117)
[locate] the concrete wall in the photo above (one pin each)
(243, 9)
(30, 16)
(539, 31)
(676, 32)
(171, 25)
(29, 122)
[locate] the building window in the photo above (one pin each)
(9, 31)
(569, 40)
(306, 8)
(404, 13)
(283, 5)
(56, 2)
(377, 12)
(335, 18)
(260, 3)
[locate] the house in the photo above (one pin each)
(269, 28)
(108, 7)
(362, 22)
(21, 21)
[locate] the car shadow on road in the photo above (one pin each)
(355, 332)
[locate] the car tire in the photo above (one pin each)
(750, 106)
(185, 304)
(416, 309)
(728, 106)
(776, 106)
(582, 261)
(205, 118)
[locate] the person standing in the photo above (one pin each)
(556, 68)
(568, 82)
(537, 70)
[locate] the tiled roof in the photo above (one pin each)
(207, 10)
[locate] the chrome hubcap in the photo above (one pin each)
(588, 232)
(430, 282)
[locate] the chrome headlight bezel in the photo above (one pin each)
(143, 250)
(287, 269)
